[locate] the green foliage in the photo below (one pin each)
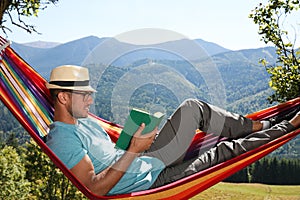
(276, 171)
(22, 8)
(270, 170)
(27, 173)
(48, 182)
(13, 184)
(285, 75)
(285, 82)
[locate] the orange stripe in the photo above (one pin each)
(26, 107)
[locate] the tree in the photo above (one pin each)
(17, 10)
(285, 74)
(48, 182)
(13, 184)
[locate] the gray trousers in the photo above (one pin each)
(176, 135)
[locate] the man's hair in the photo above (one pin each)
(54, 92)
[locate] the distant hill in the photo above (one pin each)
(211, 48)
(242, 75)
(43, 60)
(74, 52)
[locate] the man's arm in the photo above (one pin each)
(103, 182)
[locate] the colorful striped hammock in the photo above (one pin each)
(24, 93)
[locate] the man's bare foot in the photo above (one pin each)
(295, 121)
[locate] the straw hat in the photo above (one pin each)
(70, 77)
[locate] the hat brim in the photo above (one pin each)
(78, 88)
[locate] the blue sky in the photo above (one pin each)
(223, 22)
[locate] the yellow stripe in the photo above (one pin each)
(109, 126)
(40, 128)
(29, 96)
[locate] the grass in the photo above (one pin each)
(244, 191)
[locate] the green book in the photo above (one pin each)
(134, 120)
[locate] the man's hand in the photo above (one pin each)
(139, 143)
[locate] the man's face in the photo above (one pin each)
(80, 103)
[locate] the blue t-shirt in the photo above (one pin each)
(72, 142)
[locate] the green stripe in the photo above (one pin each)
(32, 97)
(19, 101)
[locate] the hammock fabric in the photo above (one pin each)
(24, 93)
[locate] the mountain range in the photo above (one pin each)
(243, 81)
(75, 52)
(240, 70)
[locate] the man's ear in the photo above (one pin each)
(62, 97)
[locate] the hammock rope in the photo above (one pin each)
(24, 93)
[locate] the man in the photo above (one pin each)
(151, 160)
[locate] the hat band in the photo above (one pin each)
(70, 83)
